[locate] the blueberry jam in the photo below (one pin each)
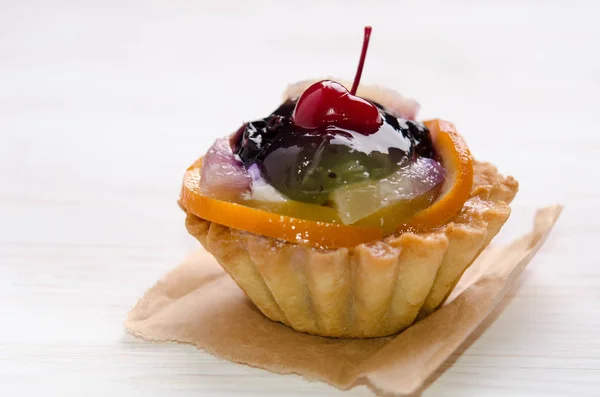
(307, 164)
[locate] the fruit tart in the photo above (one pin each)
(340, 214)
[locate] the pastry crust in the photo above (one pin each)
(369, 290)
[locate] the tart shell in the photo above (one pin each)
(370, 290)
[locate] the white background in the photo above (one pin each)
(103, 104)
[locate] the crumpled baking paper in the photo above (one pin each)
(197, 303)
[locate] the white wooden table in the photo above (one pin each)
(104, 104)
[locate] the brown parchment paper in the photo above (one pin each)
(197, 303)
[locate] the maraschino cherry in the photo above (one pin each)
(328, 103)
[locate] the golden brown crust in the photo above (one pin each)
(372, 289)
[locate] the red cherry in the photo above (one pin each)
(329, 103)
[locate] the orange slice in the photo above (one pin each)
(295, 230)
(456, 159)
(454, 155)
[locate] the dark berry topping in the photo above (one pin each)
(307, 164)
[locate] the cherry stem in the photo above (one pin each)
(361, 63)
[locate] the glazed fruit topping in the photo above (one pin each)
(328, 226)
(308, 164)
(329, 138)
